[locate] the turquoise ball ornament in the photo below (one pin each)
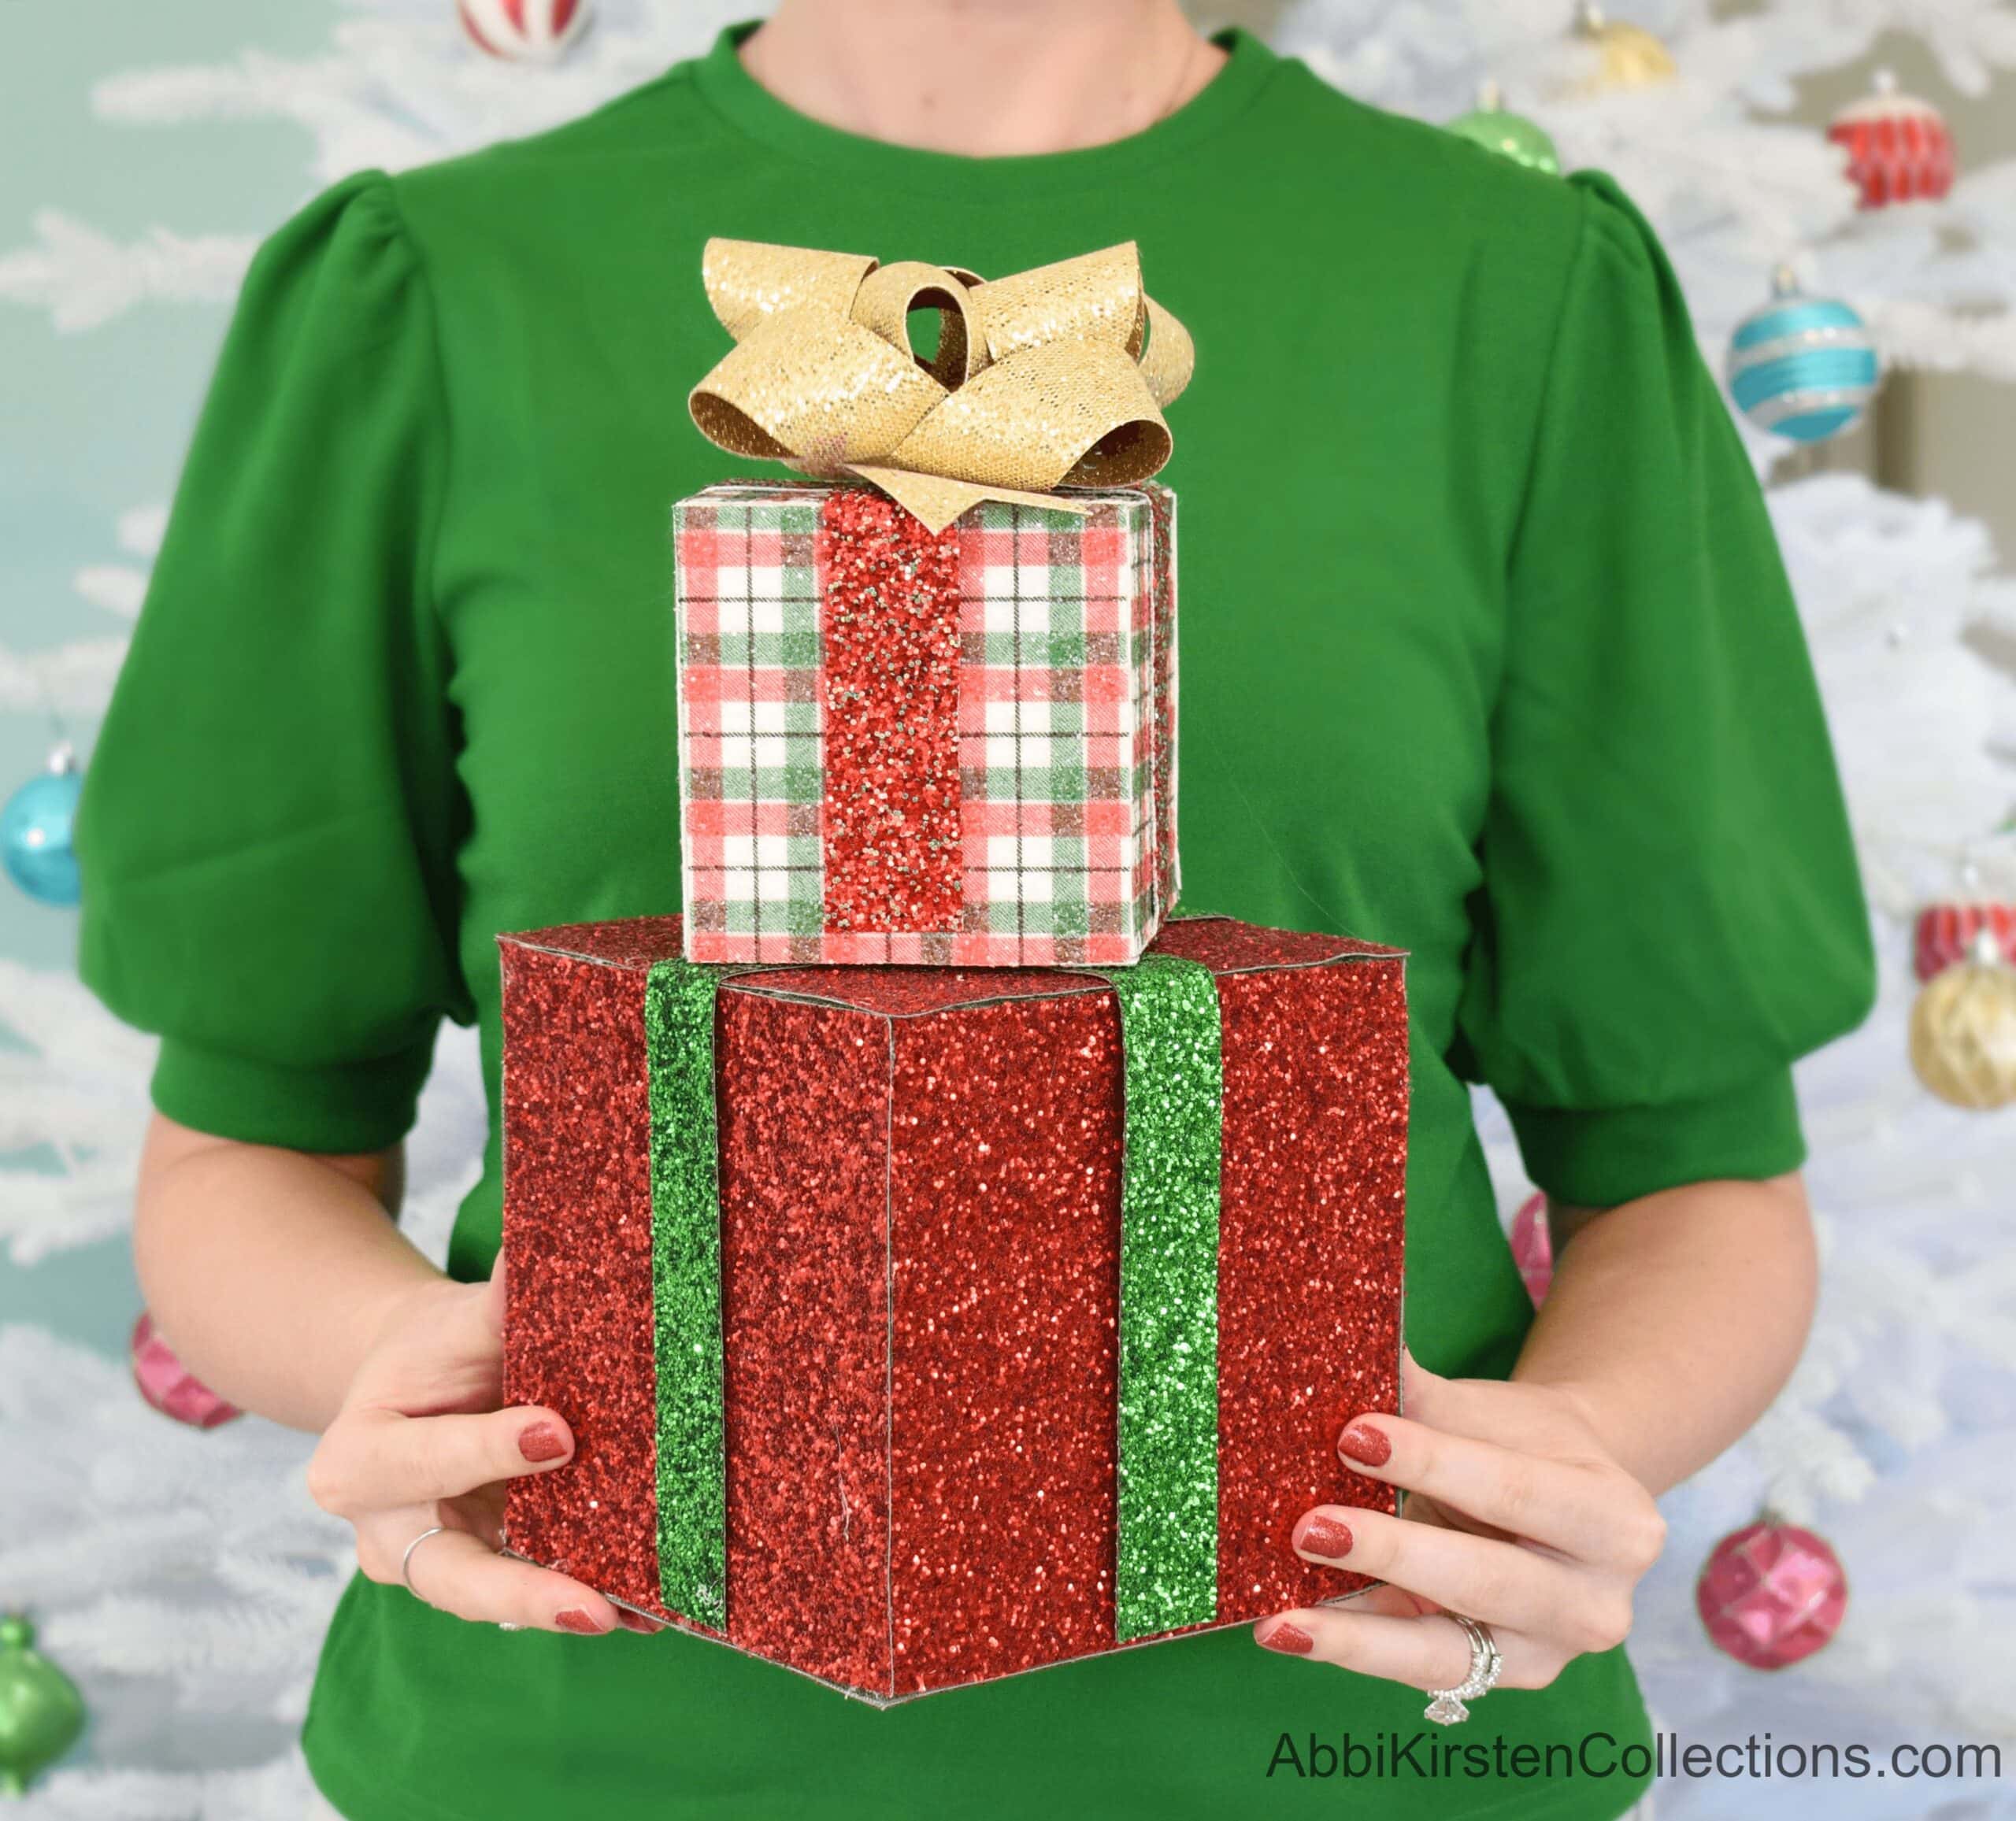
(36, 830)
(1802, 366)
(1509, 135)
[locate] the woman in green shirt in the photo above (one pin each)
(1488, 653)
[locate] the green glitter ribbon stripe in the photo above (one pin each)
(1166, 1574)
(686, 1289)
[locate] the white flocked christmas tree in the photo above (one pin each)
(183, 1578)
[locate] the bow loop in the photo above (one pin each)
(1047, 377)
(890, 293)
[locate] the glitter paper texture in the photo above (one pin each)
(1166, 1572)
(577, 1249)
(921, 1191)
(805, 1130)
(1004, 1177)
(686, 1263)
(1311, 1221)
(889, 601)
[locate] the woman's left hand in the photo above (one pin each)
(1517, 1516)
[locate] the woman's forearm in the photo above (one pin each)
(1675, 1318)
(270, 1271)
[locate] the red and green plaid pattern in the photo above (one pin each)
(1066, 723)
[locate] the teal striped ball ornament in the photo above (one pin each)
(1802, 366)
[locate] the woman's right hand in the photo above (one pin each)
(420, 1441)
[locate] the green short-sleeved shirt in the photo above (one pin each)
(1487, 652)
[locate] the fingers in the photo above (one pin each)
(1498, 1582)
(1426, 1653)
(1588, 1512)
(442, 1348)
(1390, 1601)
(494, 1296)
(371, 1459)
(1506, 1411)
(461, 1573)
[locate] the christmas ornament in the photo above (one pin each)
(1533, 1247)
(1900, 149)
(1627, 56)
(167, 1384)
(35, 829)
(1947, 933)
(1771, 1593)
(524, 31)
(1508, 134)
(41, 1712)
(1802, 366)
(1963, 1028)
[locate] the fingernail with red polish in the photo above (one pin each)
(1368, 1446)
(574, 1620)
(637, 1622)
(541, 1441)
(1290, 1639)
(1326, 1536)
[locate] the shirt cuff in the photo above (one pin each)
(1596, 1159)
(337, 1108)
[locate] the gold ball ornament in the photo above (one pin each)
(1627, 56)
(1963, 1030)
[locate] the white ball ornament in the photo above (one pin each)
(524, 31)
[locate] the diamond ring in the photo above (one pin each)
(1446, 1708)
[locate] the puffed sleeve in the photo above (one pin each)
(1671, 913)
(267, 828)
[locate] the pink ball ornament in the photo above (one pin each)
(524, 31)
(1533, 1247)
(1770, 1594)
(164, 1382)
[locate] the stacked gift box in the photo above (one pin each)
(950, 1262)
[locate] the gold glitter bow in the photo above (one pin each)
(1052, 377)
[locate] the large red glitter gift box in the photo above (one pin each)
(919, 1327)
(937, 748)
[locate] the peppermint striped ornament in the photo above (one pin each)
(1949, 933)
(524, 31)
(1900, 149)
(1802, 366)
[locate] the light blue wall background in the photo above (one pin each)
(93, 424)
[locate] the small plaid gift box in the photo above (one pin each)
(951, 748)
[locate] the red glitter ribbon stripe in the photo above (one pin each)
(889, 632)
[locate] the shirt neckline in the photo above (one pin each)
(746, 105)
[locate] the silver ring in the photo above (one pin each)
(406, 1561)
(505, 1625)
(1446, 1708)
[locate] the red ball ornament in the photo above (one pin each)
(1771, 1594)
(1948, 934)
(1899, 148)
(1533, 1247)
(524, 31)
(165, 1382)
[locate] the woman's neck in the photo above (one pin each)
(987, 77)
